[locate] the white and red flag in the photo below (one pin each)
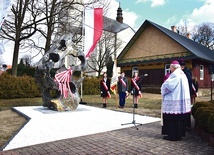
(93, 29)
(114, 78)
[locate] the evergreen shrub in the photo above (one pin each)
(202, 115)
(198, 105)
(18, 87)
(211, 123)
(91, 86)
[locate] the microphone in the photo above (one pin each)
(142, 76)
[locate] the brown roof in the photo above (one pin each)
(194, 49)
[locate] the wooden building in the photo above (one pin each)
(152, 49)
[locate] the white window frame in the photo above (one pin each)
(167, 68)
(201, 72)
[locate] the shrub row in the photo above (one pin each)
(25, 86)
(17, 87)
(203, 113)
(91, 86)
(21, 71)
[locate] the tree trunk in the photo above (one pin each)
(15, 59)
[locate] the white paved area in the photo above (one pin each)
(46, 125)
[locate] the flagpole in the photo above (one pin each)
(116, 89)
(115, 61)
(81, 86)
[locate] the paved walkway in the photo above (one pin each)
(147, 140)
(46, 125)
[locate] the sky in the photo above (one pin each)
(163, 12)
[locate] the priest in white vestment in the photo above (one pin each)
(176, 103)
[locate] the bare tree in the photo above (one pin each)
(18, 28)
(204, 34)
(45, 19)
(106, 48)
(27, 60)
(27, 18)
(65, 17)
(183, 29)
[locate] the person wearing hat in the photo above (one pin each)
(136, 89)
(122, 89)
(188, 74)
(176, 103)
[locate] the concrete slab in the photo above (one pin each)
(46, 125)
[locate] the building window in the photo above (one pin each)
(167, 68)
(201, 72)
(135, 69)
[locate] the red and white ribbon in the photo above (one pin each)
(122, 81)
(136, 86)
(106, 88)
(63, 79)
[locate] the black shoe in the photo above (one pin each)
(188, 129)
(171, 139)
(166, 138)
(135, 106)
(104, 105)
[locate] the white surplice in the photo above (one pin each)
(175, 93)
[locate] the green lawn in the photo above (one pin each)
(149, 104)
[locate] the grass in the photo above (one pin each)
(10, 122)
(145, 102)
(149, 102)
(6, 104)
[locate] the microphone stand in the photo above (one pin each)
(133, 108)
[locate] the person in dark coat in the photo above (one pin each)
(195, 89)
(122, 89)
(104, 89)
(136, 89)
(188, 74)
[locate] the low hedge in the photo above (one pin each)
(200, 104)
(18, 87)
(211, 123)
(203, 113)
(91, 86)
(25, 86)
